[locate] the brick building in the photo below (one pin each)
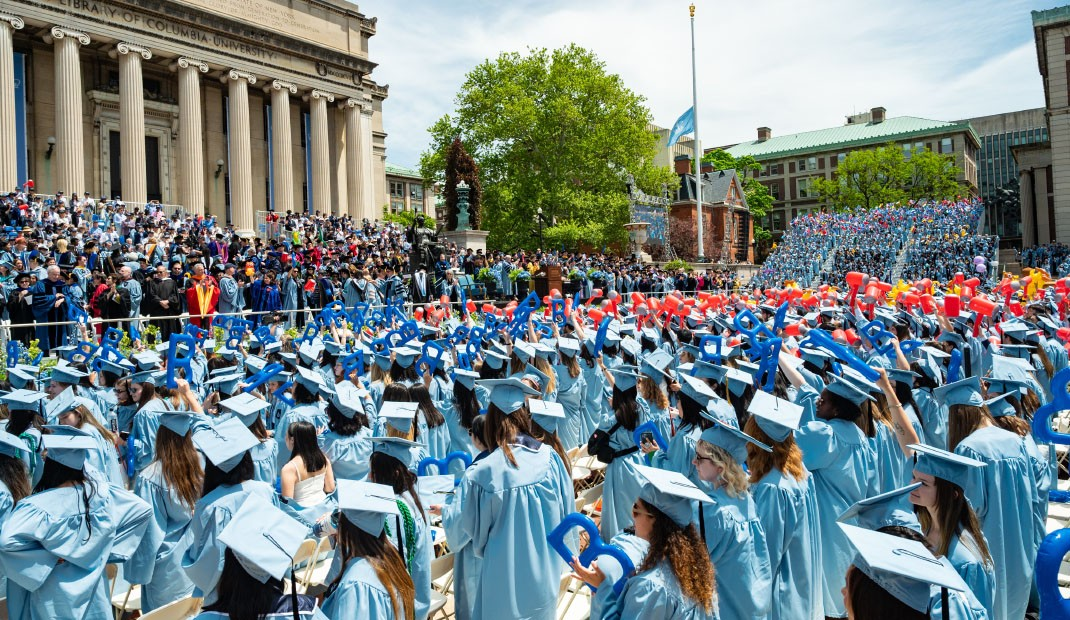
(728, 232)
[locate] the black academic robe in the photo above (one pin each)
(44, 310)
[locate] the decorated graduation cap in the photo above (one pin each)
(263, 538)
(467, 378)
(147, 360)
(225, 443)
(346, 399)
(569, 347)
(398, 414)
(624, 377)
(60, 404)
(725, 434)
(671, 493)
(656, 366)
(23, 400)
(847, 389)
(547, 414)
(965, 392)
(696, 390)
(777, 417)
(408, 452)
(904, 568)
(245, 406)
(891, 508)
(367, 504)
(69, 449)
(508, 395)
(943, 464)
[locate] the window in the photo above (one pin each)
(778, 220)
(805, 187)
(947, 145)
(397, 190)
(416, 191)
(774, 169)
(397, 206)
(810, 163)
(840, 158)
(802, 165)
(774, 190)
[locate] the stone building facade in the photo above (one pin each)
(179, 101)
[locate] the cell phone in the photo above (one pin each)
(124, 435)
(647, 437)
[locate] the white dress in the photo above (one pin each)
(309, 492)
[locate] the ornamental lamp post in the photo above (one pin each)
(539, 213)
(462, 205)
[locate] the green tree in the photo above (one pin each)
(759, 200)
(550, 130)
(870, 178)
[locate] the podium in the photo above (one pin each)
(545, 283)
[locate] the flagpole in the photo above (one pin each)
(698, 145)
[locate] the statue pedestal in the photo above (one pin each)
(475, 239)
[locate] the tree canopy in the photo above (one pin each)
(550, 130)
(870, 178)
(759, 200)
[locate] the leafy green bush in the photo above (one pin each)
(675, 264)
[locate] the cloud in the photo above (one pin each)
(788, 65)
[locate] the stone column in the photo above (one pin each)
(8, 155)
(70, 149)
(241, 164)
(132, 121)
(282, 167)
(190, 135)
(367, 168)
(354, 172)
(321, 171)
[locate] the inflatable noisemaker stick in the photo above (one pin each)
(595, 546)
(819, 338)
(854, 280)
(983, 307)
(1056, 545)
(442, 465)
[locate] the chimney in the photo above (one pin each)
(683, 164)
(707, 167)
(876, 115)
(764, 133)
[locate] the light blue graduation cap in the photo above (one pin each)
(147, 360)
(569, 347)
(60, 404)
(367, 504)
(964, 392)
(427, 330)
(630, 346)
(547, 414)
(1000, 407)
(310, 351)
(649, 333)
(696, 390)
(624, 377)
(943, 464)
(289, 358)
(146, 376)
(671, 493)
(245, 407)
(310, 379)
(903, 568)
(254, 364)
(494, 359)
(11, 445)
(467, 378)
(382, 360)
(226, 384)
(523, 351)
(70, 450)
(777, 417)
(333, 347)
(655, 366)
(846, 388)
(227, 353)
(1005, 386)
(19, 378)
(891, 508)
(817, 357)
(905, 377)
(537, 377)
(1016, 330)
(1017, 351)
(725, 434)
(346, 399)
(23, 400)
(120, 368)
(179, 422)
(408, 452)
(225, 443)
(65, 373)
(508, 394)
(952, 337)
(406, 356)
(398, 414)
(263, 538)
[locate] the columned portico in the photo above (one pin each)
(8, 159)
(281, 145)
(321, 171)
(241, 163)
(132, 120)
(70, 158)
(190, 134)
(367, 169)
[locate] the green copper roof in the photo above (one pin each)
(1051, 16)
(400, 171)
(847, 136)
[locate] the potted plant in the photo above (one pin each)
(572, 282)
(490, 282)
(522, 279)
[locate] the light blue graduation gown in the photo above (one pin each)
(360, 594)
(350, 454)
(595, 405)
(622, 481)
(570, 394)
(841, 459)
(203, 560)
(7, 504)
(787, 509)
(961, 606)
(467, 566)
(420, 567)
(507, 513)
(310, 413)
(681, 455)
(169, 582)
(605, 601)
(303, 614)
(436, 441)
(53, 570)
(660, 417)
(981, 577)
(933, 416)
(104, 457)
(656, 593)
(32, 456)
(146, 425)
(265, 456)
(124, 415)
(892, 464)
(738, 550)
(1003, 495)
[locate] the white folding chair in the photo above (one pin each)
(315, 572)
(441, 581)
(182, 609)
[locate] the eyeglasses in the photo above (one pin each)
(636, 512)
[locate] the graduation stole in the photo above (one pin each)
(406, 539)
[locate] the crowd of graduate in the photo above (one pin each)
(1051, 257)
(749, 473)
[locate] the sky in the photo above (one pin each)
(789, 65)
